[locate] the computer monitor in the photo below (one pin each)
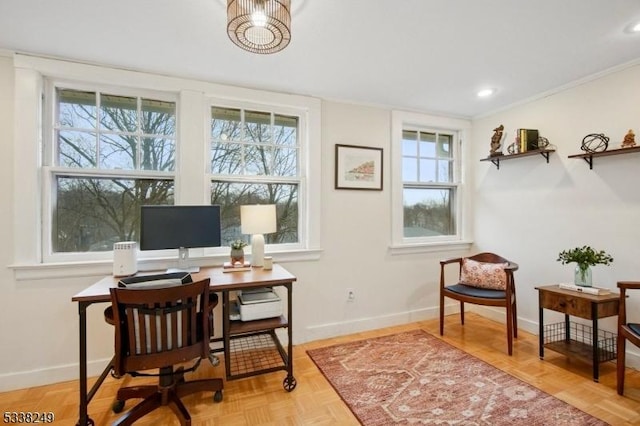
(180, 227)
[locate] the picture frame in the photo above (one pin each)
(358, 167)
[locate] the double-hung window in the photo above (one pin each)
(108, 153)
(429, 187)
(428, 195)
(98, 143)
(255, 159)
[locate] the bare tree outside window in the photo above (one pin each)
(254, 160)
(104, 143)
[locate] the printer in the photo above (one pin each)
(255, 304)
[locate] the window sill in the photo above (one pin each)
(435, 247)
(98, 268)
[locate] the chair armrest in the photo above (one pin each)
(452, 260)
(445, 262)
(630, 285)
(512, 266)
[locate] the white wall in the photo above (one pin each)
(39, 323)
(529, 210)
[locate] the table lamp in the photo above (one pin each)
(257, 220)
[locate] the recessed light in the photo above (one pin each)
(486, 92)
(633, 28)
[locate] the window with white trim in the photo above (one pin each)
(96, 143)
(108, 154)
(429, 186)
(255, 159)
(428, 194)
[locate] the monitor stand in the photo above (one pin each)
(183, 262)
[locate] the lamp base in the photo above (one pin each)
(257, 250)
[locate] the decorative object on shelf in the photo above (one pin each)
(496, 141)
(528, 139)
(542, 142)
(589, 156)
(259, 26)
(595, 142)
(629, 139)
(584, 257)
(237, 252)
(256, 220)
(514, 147)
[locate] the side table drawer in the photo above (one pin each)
(569, 305)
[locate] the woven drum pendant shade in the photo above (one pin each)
(259, 26)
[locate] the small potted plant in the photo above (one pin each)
(237, 251)
(584, 257)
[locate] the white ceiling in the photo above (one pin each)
(426, 55)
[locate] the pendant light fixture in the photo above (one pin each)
(259, 26)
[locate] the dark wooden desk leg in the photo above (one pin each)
(84, 418)
(226, 326)
(541, 328)
(596, 362)
(290, 380)
(567, 328)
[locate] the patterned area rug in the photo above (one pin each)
(415, 378)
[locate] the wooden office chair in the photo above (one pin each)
(160, 328)
(626, 331)
(483, 279)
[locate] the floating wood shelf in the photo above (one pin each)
(498, 158)
(588, 156)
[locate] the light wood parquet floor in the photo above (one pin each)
(262, 400)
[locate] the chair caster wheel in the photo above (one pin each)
(217, 397)
(117, 406)
(289, 383)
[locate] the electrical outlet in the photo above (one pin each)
(351, 295)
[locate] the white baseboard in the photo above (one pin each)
(47, 376)
(325, 331)
(62, 373)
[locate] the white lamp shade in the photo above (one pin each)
(258, 219)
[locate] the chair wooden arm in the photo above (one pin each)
(630, 285)
(622, 310)
(512, 266)
(452, 260)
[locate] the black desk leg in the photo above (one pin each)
(594, 356)
(226, 326)
(541, 330)
(289, 383)
(84, 418)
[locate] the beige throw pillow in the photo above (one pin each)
(484, 275)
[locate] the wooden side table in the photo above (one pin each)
(580, 341)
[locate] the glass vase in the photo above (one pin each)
(582, 276)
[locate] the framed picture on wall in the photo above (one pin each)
(358, 167)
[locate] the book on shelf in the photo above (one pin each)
(528, 139)
(597, 291)
(236, 267)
